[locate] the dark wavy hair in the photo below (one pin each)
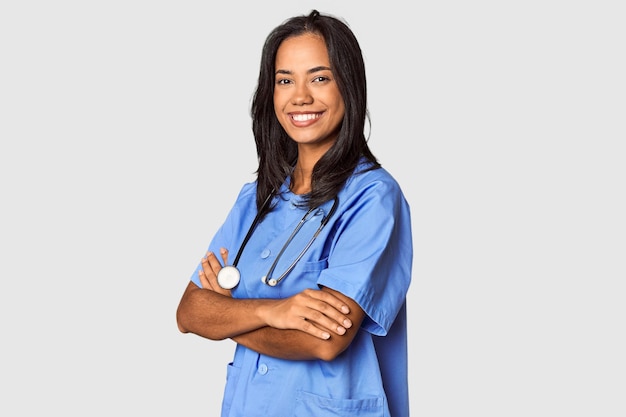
(276, 151)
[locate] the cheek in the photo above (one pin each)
(278, 104)
(279, 114)
(340, 108)
(337, 102)
(277, 108)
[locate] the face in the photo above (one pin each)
(307, 101)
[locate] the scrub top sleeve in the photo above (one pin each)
(224, 236)
(218, 241)
(372, 256)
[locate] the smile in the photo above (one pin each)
(305, 117)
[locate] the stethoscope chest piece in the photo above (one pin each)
(228, 277)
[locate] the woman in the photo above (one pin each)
(314, 259)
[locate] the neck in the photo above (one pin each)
(301, 179)
(303, 171)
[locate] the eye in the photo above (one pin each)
(320, 79)
(283, 81)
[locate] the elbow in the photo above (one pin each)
(180, 320)
(182, 329)
(216, 336)
(329, 351)
(193, 317)
(326, 358)
(187, 322)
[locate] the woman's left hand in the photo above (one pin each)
(210, 267)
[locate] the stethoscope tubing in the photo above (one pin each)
(229, 276)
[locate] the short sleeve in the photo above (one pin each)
(371, 259)
(223, 238)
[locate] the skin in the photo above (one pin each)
(305, 88)
(314, 324)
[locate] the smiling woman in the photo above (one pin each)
(317, 301)
(307, 102)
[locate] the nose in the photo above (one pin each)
(301, 95)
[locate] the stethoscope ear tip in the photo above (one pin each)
(271, 282)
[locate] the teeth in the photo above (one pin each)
(304, 117)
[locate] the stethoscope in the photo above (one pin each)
(229, 276)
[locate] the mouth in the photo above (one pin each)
(305, 118)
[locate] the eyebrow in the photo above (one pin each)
(311, 71)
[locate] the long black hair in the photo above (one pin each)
(276, 151)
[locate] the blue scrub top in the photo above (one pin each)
(365, 252)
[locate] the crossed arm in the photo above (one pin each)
(313, 324)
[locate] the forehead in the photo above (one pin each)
(306, 50)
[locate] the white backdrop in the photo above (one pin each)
(125, 138)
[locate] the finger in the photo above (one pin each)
(209, 275)
(316, 312)
(206, 266)
(213, 263)
(224, 254)
(328, 298)
(206, 284)
(211, 267)
(314, 330)
(322, 316)
(327, 310)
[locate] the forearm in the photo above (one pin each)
(296, 344)
(312, 324)
(216, 316)
(289, 344)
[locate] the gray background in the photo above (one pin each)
(125, 138)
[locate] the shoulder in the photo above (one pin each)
(367, 180)
(245, 202)
(247, 193)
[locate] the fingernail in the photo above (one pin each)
(347, 323)
(223, 250)
(326, 335)
(341, 330)
(345, 309)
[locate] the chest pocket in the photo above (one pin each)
(303, 276)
